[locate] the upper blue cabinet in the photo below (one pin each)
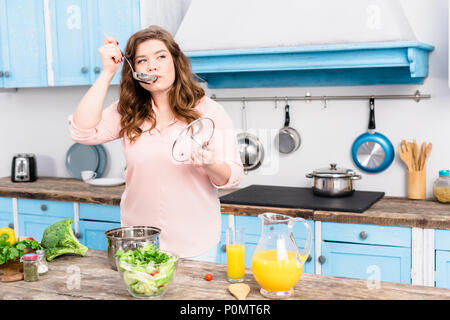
(23, 58)
(77, 31)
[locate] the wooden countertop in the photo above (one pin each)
(390, 211)
(98, 281)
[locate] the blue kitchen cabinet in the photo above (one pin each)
(36, 215)
(93, 233)
(6, 214)
(442, 258)
(23, 61)
(95, 220)
(375, 253)
(253, 228)
(35, 225)
(119, 18)
(99, 212)
(70, 31)
(78, 28)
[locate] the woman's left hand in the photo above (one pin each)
(203, 156)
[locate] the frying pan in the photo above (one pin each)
(288, 139)
(372, 151)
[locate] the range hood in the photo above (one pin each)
(266, 43)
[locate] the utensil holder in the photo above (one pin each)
(417, 185)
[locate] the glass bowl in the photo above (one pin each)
(148, 280)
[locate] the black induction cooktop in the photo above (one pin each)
(300, 198)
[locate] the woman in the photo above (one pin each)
(180, 199)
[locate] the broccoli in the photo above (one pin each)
(59, 239)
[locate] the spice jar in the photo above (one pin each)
(441, 187)
(30, 266)
(42, 262)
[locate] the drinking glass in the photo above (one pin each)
(235, 254)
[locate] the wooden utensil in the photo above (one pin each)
(427, 151)
(416, 155)
(413, 155)
(404, 155)
(422, 156)
(239, 290)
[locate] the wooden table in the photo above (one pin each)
(91, 278)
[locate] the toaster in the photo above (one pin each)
(23, 168)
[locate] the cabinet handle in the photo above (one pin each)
(309, 258)
(83, 70)
(78, 235)
(363, 235)
(11, 226)
(322, 259)
(1, 74)
(97, 70)
(224, 248)
(43, 207)
(6, 74)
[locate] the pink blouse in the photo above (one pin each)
(178, 198)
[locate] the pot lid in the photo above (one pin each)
(333, 172)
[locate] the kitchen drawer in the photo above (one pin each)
(6, 205)
(93, 233)
(6, 220)
(383, 263)
(45, 208)
(253, 226)
(99, 212)
(442, 239)
(34, 226)
(443, 269)
(366, 234)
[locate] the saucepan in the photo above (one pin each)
(333, 181)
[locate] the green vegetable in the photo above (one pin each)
(58, 239)
(146, 271)
(17, 250)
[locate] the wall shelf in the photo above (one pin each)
(399, 62)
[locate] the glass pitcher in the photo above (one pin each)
(277, 264)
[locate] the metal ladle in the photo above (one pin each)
(139, 76)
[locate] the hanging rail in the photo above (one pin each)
(416, 96)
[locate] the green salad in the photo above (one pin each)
(146, 271)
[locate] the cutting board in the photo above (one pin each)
(300, 198)
(11, 271)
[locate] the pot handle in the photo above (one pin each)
(356, 177)
(309, 175)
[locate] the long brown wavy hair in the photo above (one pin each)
(135, 104)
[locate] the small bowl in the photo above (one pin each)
(142, 281)
(129, 238)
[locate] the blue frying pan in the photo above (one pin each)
(372, 151)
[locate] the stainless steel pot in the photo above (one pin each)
(129, 238)
(333, 181)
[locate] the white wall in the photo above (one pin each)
(35, 120)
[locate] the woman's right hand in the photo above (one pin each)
(110, 55)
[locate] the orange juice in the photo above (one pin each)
(276, 275)
(235, 261)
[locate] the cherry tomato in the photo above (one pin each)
(154, 272)
(208, 277)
